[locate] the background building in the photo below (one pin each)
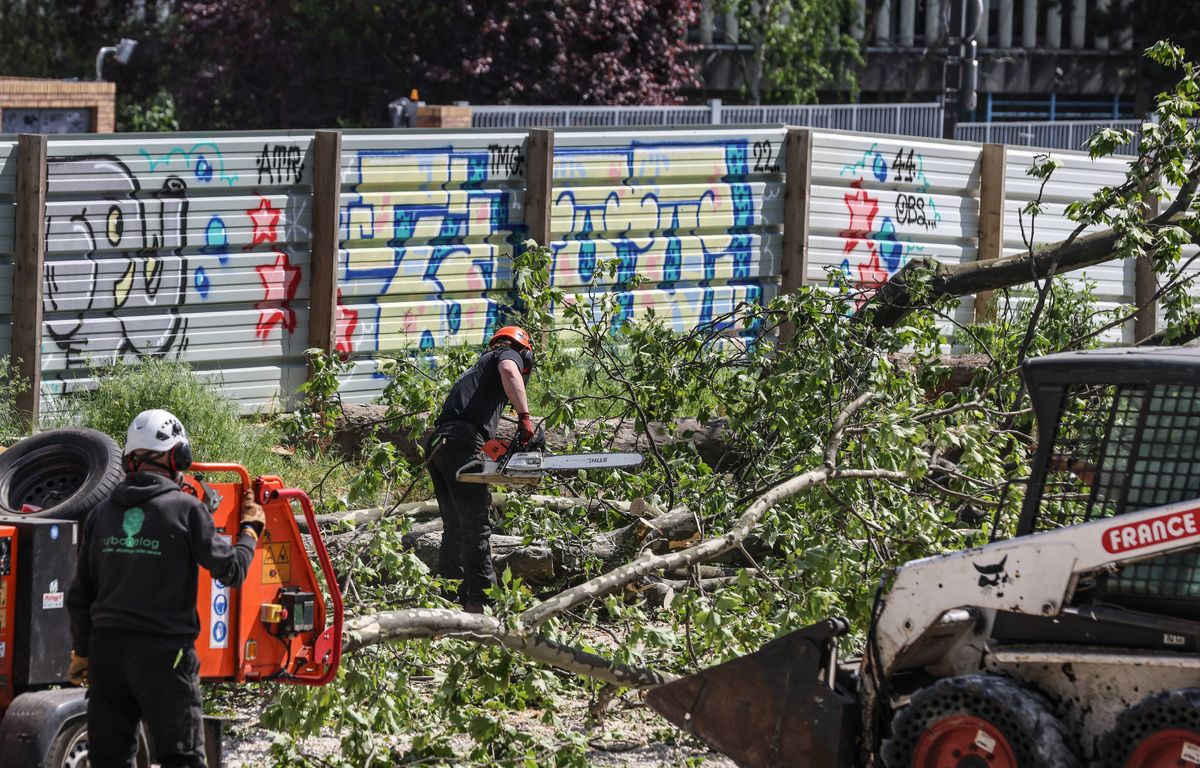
(1037, 59)
(35, 105)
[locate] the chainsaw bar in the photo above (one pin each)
(529, 467)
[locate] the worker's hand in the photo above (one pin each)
(77, 673)
(253, 516)
(524, 428)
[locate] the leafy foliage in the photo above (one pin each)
(798, 48)
(229, 64)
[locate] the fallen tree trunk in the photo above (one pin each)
(522, 633)
(896, 298)
(429, 508)
(542, 563)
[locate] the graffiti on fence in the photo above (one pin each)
(683, 215)
(884, 249)
(123, 261)
(132, 245)
(426, 242)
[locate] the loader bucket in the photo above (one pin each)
(772, 708)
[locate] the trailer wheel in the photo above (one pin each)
(977, 721)
(70, 747)
(60, 473)
(1163, 729)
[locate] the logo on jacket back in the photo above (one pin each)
(131, 524)
(134, 517)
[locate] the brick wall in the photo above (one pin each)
(36, 93)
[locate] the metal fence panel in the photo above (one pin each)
(907, 119)
(428, 226)
(575, 117)
(179, 246)
(1077, 179)
(697, 212)
(1071, 135)
(877, 202)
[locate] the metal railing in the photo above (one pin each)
(907, 119)
(1071, 134)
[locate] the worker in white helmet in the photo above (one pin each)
(133, 600)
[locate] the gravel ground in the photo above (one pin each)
(632, 737)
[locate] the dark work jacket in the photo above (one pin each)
(478, 397)
(137, 561)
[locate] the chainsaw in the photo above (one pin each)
(506, 462)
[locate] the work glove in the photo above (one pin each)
(524, 428)
(253, 516)
(77, 672)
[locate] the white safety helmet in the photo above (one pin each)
(158, 431)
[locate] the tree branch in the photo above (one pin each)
(436, 623)
(897, 297)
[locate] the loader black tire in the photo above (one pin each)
(1153, 716)
(64, 472)
(1035, 737)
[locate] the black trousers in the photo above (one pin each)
(154, 679)
(466, 551)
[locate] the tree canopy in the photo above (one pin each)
(323, 63)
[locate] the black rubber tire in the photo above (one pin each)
(65, 471)
(69, 748)
(71, 744)
(1038, 738)
(1171, 709)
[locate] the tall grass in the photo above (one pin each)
(11, 385)
(218, 433)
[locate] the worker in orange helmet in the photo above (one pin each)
(468, 419)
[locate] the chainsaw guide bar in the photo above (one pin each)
(529, 467)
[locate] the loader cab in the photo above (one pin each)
(1118, 430)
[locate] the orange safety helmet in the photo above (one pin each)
(513, 333)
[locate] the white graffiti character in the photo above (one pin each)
(115, 273)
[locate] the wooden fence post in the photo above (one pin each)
(1145, 285)
(28, 268)
(992, 166)
(326, 203)
(797, 180)
(539, 184)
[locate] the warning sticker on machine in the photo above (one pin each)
(218, 614)
(277, 563)
(1172, 527)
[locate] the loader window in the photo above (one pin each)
(1123, 449)
(1073, 469)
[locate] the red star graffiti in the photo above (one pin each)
(862, 208)
(347, 321)
(265, 219)
(870, 276)
(279, 287)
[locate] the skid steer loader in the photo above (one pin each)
(282, 625)
(1074, 643)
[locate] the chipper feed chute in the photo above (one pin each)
(779, 706)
